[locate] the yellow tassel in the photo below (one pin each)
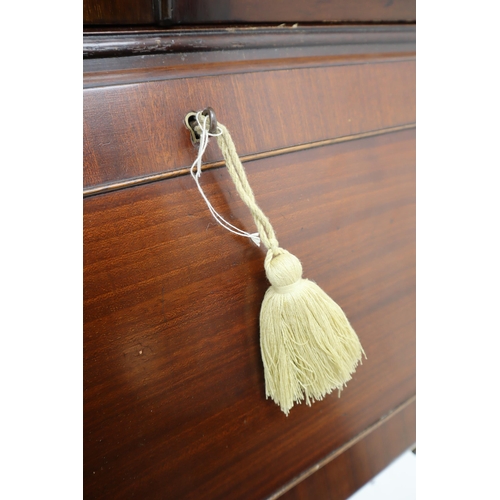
(308, 346)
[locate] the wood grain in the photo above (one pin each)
(173, 387)
(344, 475)
(130, 12)
(137, 130)
(292, 11)
(118, 12)
(92, 191)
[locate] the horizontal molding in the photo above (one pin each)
(147, 42)
(336, 453)
(95, 190)
(120, 71)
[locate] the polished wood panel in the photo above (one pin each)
(116, 71)
(92, 191)
(173, 385)
(118, 11)
(123, 12)
(343, 476)
(137, 130)
(280, 11)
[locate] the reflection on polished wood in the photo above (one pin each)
(173, 384)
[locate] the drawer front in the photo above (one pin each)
(174, 390)
(136, 131)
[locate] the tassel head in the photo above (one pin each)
(308, 346)
(282, 270)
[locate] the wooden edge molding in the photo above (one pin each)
(337, 452)
(94, 190)
(123, 71)
(129, 43)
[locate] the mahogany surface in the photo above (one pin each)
(174, 402)
(344, 475)
(137, 130)
(130, 12)
(118, 12)
(257, 11)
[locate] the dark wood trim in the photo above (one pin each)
(115, 186)
(129, 43)
(334, 454)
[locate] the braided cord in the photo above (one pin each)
(238, 175)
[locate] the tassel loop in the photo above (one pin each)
(202, 128)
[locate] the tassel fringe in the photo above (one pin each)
(308, 345)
